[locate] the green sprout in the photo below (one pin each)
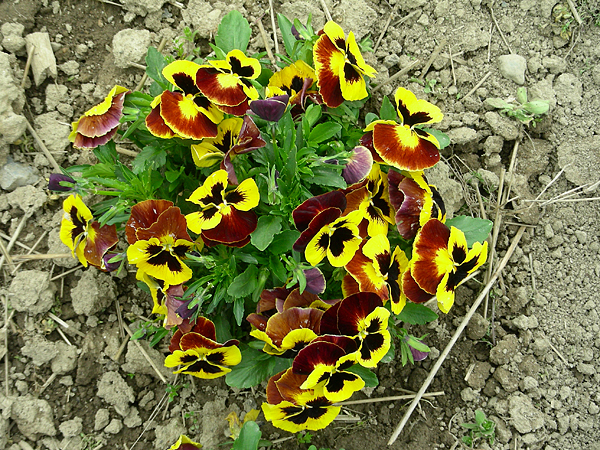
(527, 112)
(481, 429)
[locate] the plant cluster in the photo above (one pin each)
(268, 203)
(482, 428)
(527, 112)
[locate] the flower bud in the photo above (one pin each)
(271, 109)
(54, 183)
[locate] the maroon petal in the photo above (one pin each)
(308, 210)
(271, 109)
(359, 166)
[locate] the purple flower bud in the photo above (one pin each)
(297, 35)
(54, 182)
(271, 109)
(417, 355)
(111, 266)
(359, 165)
(315, 281)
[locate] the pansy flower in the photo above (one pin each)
(373, 201)
(415, 202)
(296, 81)
(362, 317)
(159, 250)
(227, 83)
(198, 353)
(270, 109)
(285, 333)
(185, 443)
(376, 269)
(294, 409)
(166, 300)
(99, 124)
(442, 260)
(183, 112)
(340, 67)
(87, 239)
(225, 216)
(403, 145)
(326, 360)
(235, 136)
(358, 166)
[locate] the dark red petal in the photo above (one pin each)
(415, 153)
(296, 299)
(325, 353)
(327, 80)
(100, 125)
(196, 126)
(82, 141)
(105, 238)
(323, 218)
(308, 210)
(143, 215)
(329, 320)
(207, 79)
(260, 322)
(238, 244)
(355, 308)
(169, 222)
(156, 124)
(432, 237)
(238, 110)
(234, 227)
(192, 341)
(412, 290)
(282, 323)
(205, 327)
(274, 397)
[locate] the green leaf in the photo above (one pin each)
(367, 375)
(238, 310)
(313, 114)
(155, 63)
(416, 314)
(537, 107)
(283, 242)
(249, 437)
(371, 117)
(161, 333)
(244, 284)
(323, 132)
(286, 33)
(442, 137)
(326, 177)
(475, 229)
(497, 103)
(148, 159)
(256, 367)
(387, 111)
(267, 228)
(233, 32)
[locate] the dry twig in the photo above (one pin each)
(500, 31)
(455, 337)
(27, 66)
(478, 85)
(61, 322)
(385, 27)
(31, 250)
(42, 146)
(389, 399)
(326, 9)
(436, 52)
(160, 48)
(274, 25)
(14, 237)
(263, 35)
(396, 76)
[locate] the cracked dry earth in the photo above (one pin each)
(530, 361)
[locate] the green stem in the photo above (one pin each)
(113, 193)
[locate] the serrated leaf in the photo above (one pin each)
(371, 117)
(244, 284)
(326, 177)
(323, 132)
(416, 314)
(148, 159)
(267, 228)
(475, 229)
(155, 63)
(233, 32)
(387, 111)
(284, 241)
(367, 375)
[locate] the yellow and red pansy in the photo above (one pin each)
(165, 299)
(373, 201)
(199, 354)
(402, 145)
(99, 124)
(362, 317)
(294, 409)
(227, 83)
(287, 332)
(225, 216)
(296, 81)
(185, 443)
(415, 202)
(376, 269)
(160, 249)
(325, 361)
(235, 136)
(441, 261)
(183, 112)
(339, 66)
(87, 240)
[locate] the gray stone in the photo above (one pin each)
(71, 427)
(34, 291)
(130, 46)
(463, 135)
(168, 433)
(204, 17)
(554, 64)
(27, 198)
(43, 62)
(70, 68)
(39, 350)
(502, 353)
(356, 16)
(580, 159)
(135, 362)
(55, 245)
(450, 190)
(501, 126)
(506, 379)
(94, 292)
(528, 383)
(13, 37)
(391, 60)
(586, 369)
(55, 94)
(14, 175)
(477, 327)
(479, 375)
(143, 7)
(114, 427)
(113, 389)
(533, 157)
(66, 359)
(513, 67)
(524, 416)
(543, 90)
(101, 419)
(133, 419)
(525, 322)
(54, 132)
(568, 90)
(33, 417)
(493, 144)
